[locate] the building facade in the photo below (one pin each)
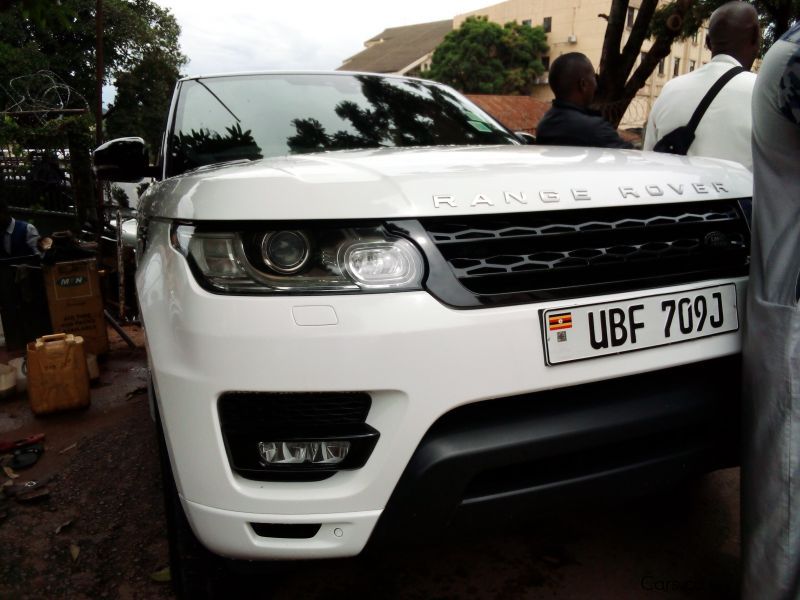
(576, 26)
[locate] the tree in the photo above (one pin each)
(41, 12)
(486, 58)
(142, 100)
(777, 16)
(136, 32)
(620, 77)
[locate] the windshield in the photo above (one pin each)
(220, 119)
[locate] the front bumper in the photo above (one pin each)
(417, 359)
(587, 444)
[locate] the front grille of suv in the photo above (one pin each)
(516, 258)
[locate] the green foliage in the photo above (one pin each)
(204, 147)
(486, 58)
(142, 101)
(41, 12)
(135, 32)
(73, 133)
(411, 114)
(54, 133)
(775, 16)
(140, 41)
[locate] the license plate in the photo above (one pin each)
(592, 330)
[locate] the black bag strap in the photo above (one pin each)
(710, 95)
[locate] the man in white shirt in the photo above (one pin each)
(734, 38)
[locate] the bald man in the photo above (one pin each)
(570, 121)
(734, 38)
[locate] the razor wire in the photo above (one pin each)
(636, 112)
(39, 94)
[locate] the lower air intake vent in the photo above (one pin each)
(286, 531)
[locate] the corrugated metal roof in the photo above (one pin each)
(400, 47)
(523, 113)
(518, 113)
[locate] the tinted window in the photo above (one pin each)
(220, 119)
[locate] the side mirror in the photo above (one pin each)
(123, 159)
(129, 231)
(525, 137)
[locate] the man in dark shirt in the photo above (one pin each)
(570, 122)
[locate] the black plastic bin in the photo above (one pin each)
(23, 301)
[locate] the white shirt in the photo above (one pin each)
(31, 237)
(724, 130)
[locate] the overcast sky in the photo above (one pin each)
(246, 35)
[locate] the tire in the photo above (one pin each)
(196, 573)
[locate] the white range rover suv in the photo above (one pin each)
(372, 310)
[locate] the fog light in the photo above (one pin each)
(329, 452)
(283, 453)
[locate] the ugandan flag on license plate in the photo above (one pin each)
(560, 321)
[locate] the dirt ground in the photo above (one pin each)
(99, 532)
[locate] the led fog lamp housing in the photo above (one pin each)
(285, 252)
(331, 452)
(316, 455)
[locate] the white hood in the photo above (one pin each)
(416, 182)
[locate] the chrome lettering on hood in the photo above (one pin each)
(578, 194)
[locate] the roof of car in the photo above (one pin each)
(294, 72)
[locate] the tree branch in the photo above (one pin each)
(659, 51)
(613, 37)
(639, 33)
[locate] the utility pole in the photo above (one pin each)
(98, 110)
(98, 115)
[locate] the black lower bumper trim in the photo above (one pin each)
(302, 531)
(535, 452)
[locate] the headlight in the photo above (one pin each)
(285, 252)
(382, 265)
(313, 260)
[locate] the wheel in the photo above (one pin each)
(196, 573)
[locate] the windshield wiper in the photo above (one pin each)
(217, 98)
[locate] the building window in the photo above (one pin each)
(631, 16)
(694, 37)
(676, 69)
(691, 65)
(547, 24)
(546, 62)
(642, 56)
(661, 68)
(526, 22)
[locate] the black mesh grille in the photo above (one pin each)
(581, 252)
(290, 413)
